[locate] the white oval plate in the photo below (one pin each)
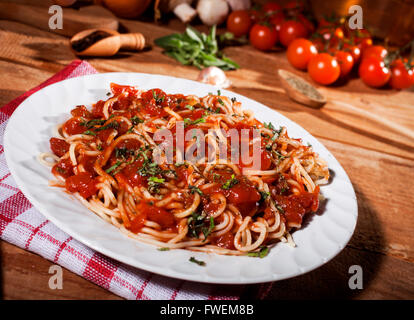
(28, 133)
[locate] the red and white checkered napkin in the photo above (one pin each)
(21, 224)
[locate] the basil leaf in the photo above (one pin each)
(195, 48)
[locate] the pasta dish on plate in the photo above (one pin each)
(181, 171)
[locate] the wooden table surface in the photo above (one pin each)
(353, 125)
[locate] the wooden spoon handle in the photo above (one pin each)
(132, 41)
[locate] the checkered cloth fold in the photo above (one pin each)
(22, 225)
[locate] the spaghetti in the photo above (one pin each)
(105, 157)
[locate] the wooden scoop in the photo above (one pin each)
(105, 42)
(300, 90)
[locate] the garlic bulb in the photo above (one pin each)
(212, 12)
(214, 76)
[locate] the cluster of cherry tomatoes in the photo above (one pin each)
(328, 51)
(271, 24)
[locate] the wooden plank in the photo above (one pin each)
(383, 277)
(25, 275)
(385, 199)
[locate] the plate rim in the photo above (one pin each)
(126, 259)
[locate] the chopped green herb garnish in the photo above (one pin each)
(278, 207)
(90, 133)
(99, 147)
(123, 153)
(91, 123)
(194, 189)
(163, 249)
(259, 254)
(207, 231)
(189, 107)
(154, 184)
(230, 183)
(111, 125)
(264, 195)
(157, 98)
(199, 262)
(278, 155)
(188, 122)
(135, 120)
(220, 101)
(157, 180)
(60, 170)
(112, 168)
(216, 177)
(200, 223)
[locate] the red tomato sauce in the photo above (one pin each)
(83, 183)
(81, 111)
(224, 241)
(63, 168)
(159, 215)
(59, 146)
(242, 194)
(296, 206)
(73, 126)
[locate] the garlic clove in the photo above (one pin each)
(239, 4)
(214, 76)
(185, 12)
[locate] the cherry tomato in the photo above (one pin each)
(239, 22)
(401, 77)
(277, 20)
(272, 7)
(346, 62)
(362, 38)
(412, 76)
(319, 44)
(324, 69)
(307, 23)
(377, 52)
(354, 51)
(327, 22)
(373, 72)
(263, 37)
(291, 30)
(365, 43)
(299, 53)
(294, 7)
(329, 32)
(255, 15)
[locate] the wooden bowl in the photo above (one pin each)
(300, 90)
